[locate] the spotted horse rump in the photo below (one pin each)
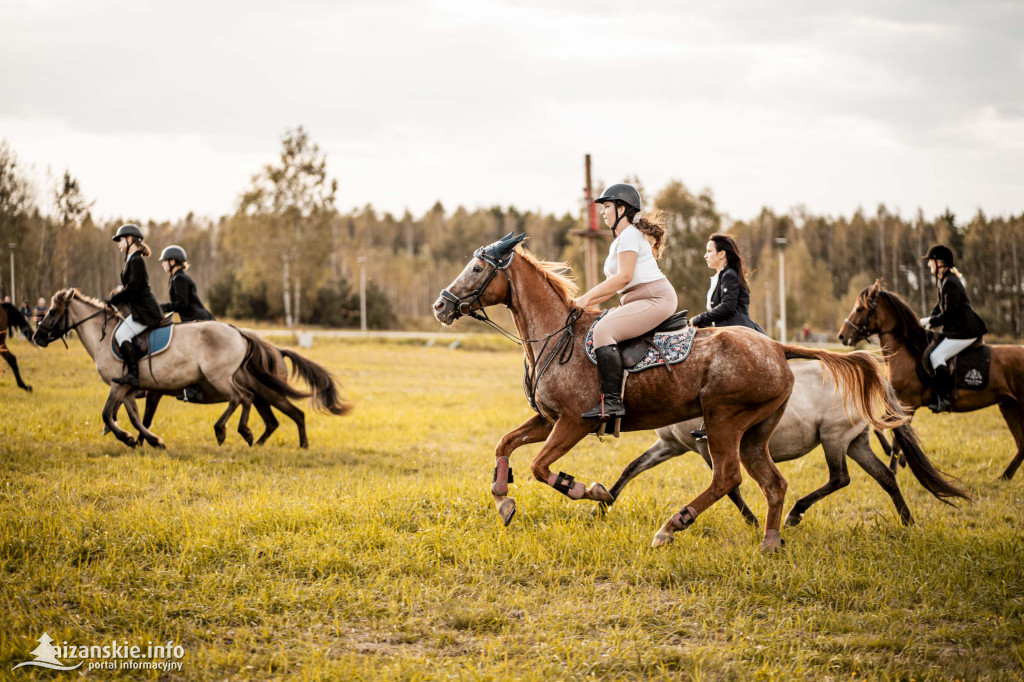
(670, 344)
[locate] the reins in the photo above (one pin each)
(563, 348)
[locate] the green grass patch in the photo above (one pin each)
(377, 553)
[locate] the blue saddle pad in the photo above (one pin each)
(674, 346)
(159, 340)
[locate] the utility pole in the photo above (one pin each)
(781, 243)
(362, 293)
(14, 299)
(592, 233)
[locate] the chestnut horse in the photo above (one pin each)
(903, 341)
(11, 317)
(737, 378)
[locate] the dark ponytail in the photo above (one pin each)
(724, 242)
(652, 226)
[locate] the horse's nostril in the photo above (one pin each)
(438, 305)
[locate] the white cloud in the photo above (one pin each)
(489, 102)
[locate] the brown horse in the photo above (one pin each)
(903, 342)
(12, 317)
(737, 378)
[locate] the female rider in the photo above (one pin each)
(135, 293)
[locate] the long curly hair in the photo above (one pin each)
(652, 225)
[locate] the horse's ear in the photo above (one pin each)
(876, 287)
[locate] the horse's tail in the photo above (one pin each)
(325, 391)
(16, 319)
(934, 481)
(861, 375)
(262, 364)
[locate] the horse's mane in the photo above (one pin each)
(908, 327)
(75, 293)
(555, 274)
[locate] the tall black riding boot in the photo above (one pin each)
(942, 390)
(609, 368)
(131, 361)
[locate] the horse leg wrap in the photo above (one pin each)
(567, 485)
(683, 519)
(502, 477)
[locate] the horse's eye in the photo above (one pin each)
(859, 309)
(477, 268)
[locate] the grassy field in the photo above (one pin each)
(377, 553)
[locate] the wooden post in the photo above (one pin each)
(591, 234)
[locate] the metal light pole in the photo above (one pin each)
(362, 293)
(14, 299)
(781, 243)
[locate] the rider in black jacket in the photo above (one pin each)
(184, 298)
(954, 324)
(184, 301)
(136, 294)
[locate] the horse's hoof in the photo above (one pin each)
(247, 437)
(130, 442)
(27, 388)
(793, 520)
(220, 438)
(106, 429)
(158, 444)
(506, 510)
(600, 493)
(772, 541)
(599, 510)
(662, 538)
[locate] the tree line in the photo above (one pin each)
(288, 254)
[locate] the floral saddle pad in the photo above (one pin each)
(644, 352)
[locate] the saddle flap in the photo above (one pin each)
(153, 341)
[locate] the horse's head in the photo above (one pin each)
(478, 286)
(862, 321)
(55, 324)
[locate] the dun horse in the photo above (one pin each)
(230, 362)
(903, 341)
(11, 317)
(813, 417)
(311, 373)
(737, 378)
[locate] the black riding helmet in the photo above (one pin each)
(940, 252)
(174, 252)
(623, 194)
(128, 230)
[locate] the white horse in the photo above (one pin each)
(236, 364)
(813, 416)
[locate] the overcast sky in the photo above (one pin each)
(160, 108)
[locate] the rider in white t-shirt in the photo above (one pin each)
(647, 298)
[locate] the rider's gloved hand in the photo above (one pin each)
(925, 322)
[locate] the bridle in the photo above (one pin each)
(464, 304)
(65, 319)
(864, 331)
(562, 349)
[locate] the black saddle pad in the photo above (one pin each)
(970, 367)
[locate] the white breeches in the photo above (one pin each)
(947, 348)
(129, 329)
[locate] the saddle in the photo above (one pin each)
(153, 341)
(667, 344)
(970, 366)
